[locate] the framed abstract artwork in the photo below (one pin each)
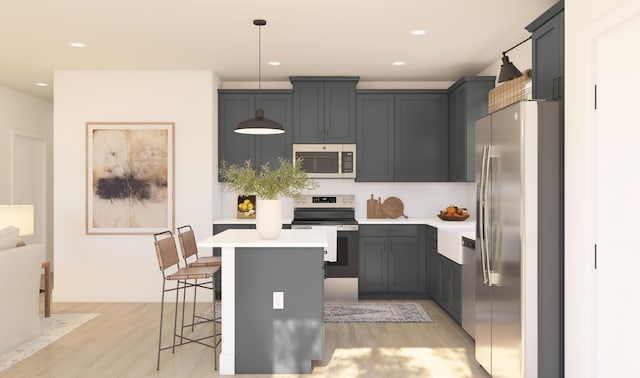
(130, 178)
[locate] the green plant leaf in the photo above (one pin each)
(289, 180)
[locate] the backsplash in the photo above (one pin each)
(420, 199)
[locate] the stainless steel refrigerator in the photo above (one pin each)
(519, 239)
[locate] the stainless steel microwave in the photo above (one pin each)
(327, 160)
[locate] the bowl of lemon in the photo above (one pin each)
(246, 207)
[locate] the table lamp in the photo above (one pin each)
(19, 216)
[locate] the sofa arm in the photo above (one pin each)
(20, 271)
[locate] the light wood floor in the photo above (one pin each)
(122, 342)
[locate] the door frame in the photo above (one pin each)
(40, 217)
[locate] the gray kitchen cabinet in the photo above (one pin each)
(402, 136)
(235, 106)
(373, 276)
(392, 263)
(324, 109)
(403, 264)
(444, 277)
(468, 101)
(421, 137)
(432, 263)
(375, 128)
(547, 43)
(450, 287)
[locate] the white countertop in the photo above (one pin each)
(243, 221)
(469, 235)
(465, 225)
(469, 223)
(250, 238)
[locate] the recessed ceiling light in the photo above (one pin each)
(42, 84)
(274, 63)
(398, 63)
(77, 44)
(418, 32)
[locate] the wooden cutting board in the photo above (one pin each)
(393, 207)
(374, 208)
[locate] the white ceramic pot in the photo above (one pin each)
(268, 218)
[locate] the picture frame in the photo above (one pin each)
(129, 177)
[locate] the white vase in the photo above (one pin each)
(268, 218)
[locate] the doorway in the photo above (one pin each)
(28, 181)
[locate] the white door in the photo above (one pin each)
(616, 130)
(29, 180)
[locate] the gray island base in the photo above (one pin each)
(272, 307)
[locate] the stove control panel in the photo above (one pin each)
(328, 201)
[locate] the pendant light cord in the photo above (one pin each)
(505, 52)
(259, 65)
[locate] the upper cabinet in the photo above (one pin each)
(468, 99)
(235, 106)
(402, 136)
(548, 53)
(324, 109)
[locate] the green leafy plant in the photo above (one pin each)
(289, 180)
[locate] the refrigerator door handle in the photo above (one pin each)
(487, 214)
(481, 218)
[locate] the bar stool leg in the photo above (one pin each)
(215, 328)
(161, 317)
(175, 319)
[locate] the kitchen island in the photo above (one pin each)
(272, 307)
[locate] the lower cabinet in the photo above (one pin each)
(392, 262)
(432, 263)
(445, 277)
(450, 298)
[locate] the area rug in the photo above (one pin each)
(366, 313)
(53, 328)
(375, 313)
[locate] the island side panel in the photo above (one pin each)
(228, 282)
(285, 341)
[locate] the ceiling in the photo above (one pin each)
(309, 37)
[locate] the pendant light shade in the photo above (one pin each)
(259, 125)
(508, 70)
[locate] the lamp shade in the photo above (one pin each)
(18, 216)
(507, 70)
(259, 125)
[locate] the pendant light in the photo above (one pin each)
(508, 70)
(259, 125)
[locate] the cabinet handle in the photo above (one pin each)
(555, 91)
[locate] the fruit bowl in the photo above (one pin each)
(246, 207)
(453, 213)
(453, 217)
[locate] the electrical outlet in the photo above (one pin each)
(278, 300)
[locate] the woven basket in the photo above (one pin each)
(510, 92)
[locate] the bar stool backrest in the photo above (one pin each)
(166, 250)
(187, 242)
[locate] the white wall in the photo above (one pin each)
(113, 268)
(28, 115)
(421, 200)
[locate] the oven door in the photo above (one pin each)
(347, 257)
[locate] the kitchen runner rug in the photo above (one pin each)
(367, 313)
(53, 328)
(375, 313)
